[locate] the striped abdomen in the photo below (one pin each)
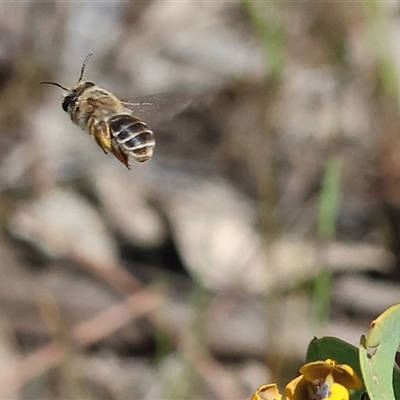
(133, 136)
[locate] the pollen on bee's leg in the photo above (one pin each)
(101, 144)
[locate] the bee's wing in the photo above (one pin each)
(154, 109)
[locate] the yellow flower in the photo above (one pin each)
(319, 380)
(323, 380)
(341, 373)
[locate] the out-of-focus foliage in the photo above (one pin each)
(231, 206)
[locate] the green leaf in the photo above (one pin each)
(377, 353)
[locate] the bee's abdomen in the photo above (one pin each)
(133, 136)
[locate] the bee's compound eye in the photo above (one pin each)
(68, 100)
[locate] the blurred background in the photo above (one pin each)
(268, 215)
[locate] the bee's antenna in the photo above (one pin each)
(55, 84)
(84, 66)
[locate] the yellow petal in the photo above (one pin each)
(338, 392)
(299, 389)
(317, 369)
(267, 392)
(346, 376)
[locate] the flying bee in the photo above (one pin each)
(113, 123)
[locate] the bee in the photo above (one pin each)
(112, 122)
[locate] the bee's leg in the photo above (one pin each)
(101, 133)
(101, 144)
(121, 156)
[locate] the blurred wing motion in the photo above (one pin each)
(155, 109)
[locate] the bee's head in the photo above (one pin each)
(72, 95)
(69, 100)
